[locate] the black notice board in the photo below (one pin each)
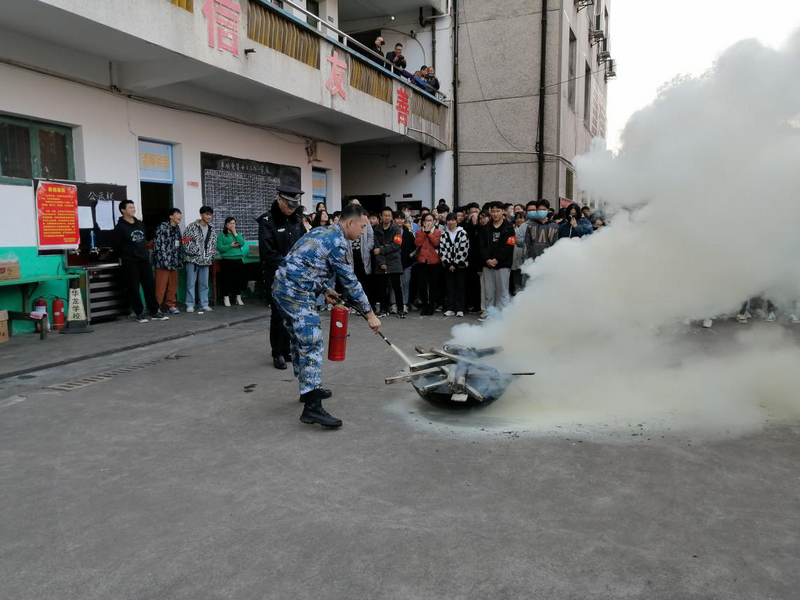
(89, 194)
(242, 189)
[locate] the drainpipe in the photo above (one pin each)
(433, 179)
(542, 73)
(455, 104)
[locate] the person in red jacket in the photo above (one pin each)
(428, 263)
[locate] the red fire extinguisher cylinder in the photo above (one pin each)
(59, 316)
(337, 341)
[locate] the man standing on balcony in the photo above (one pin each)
(397, 59)
(377, 48)
(431, 79)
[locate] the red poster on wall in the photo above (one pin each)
(57, 216)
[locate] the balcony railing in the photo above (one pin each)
(184, 4)
(274, 31)
(369, 80)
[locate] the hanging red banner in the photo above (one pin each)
(57, 216)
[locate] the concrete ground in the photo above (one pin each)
(192, 478)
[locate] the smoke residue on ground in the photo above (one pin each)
(707, 189)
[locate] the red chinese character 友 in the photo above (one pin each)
(223, 24)
(335, 83)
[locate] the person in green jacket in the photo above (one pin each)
(229, 245)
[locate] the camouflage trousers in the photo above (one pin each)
(305, 336)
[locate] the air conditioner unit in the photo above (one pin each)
(581, 4)
(603, 56)
(596, 32)
(611, 69)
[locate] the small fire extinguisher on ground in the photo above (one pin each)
(337, 345)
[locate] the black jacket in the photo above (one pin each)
(130, 241)
(277, 233)
(408, 248)
(400, 64)
(498, 243)
(473, 233)
(433, 82)
(390, 241)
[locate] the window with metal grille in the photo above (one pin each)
(32, 149)
(570, 184)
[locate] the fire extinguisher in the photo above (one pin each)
(59, 316)
(337, 345)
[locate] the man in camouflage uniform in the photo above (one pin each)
(317, 257)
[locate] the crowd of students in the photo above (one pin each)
(457, 261)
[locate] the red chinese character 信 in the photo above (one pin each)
(223, 24)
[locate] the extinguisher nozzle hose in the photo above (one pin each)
(359, 311)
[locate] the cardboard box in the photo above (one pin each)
(3, 326)
(9, 269)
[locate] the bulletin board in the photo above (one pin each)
(97, 210)
(242, 189)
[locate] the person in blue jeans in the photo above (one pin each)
(199, 250)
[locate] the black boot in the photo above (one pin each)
(324, 394)
(314, 413)
(279, 362)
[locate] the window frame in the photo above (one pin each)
(34, 127)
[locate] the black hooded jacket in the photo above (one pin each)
(130, 241)
(277, 233)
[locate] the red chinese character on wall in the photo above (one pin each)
(335, 83)
(402, 106)
(223, 24)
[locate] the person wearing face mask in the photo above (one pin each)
(515, 286)
(574, 225)
(539, 232)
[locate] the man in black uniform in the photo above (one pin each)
(278, 230)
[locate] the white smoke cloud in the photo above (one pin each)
(708, 187)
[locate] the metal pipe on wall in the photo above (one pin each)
(455, 103)
(542, 73)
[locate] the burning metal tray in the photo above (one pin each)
(455, 377)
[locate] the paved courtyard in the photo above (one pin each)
(186, 474)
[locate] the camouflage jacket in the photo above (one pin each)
(315, 258)
(167, 250)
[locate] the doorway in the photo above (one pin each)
(156, 202)
(156, 183)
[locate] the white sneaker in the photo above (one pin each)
(190, 309)
(393, 309)
(449, 313)
(208, 308)
(239, 301)
(770, 317)
(741, 318)
(226, 301)
(794, 319)
(460, 314)
(708, 323)
(484, 316)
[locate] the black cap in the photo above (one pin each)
(290, 194)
